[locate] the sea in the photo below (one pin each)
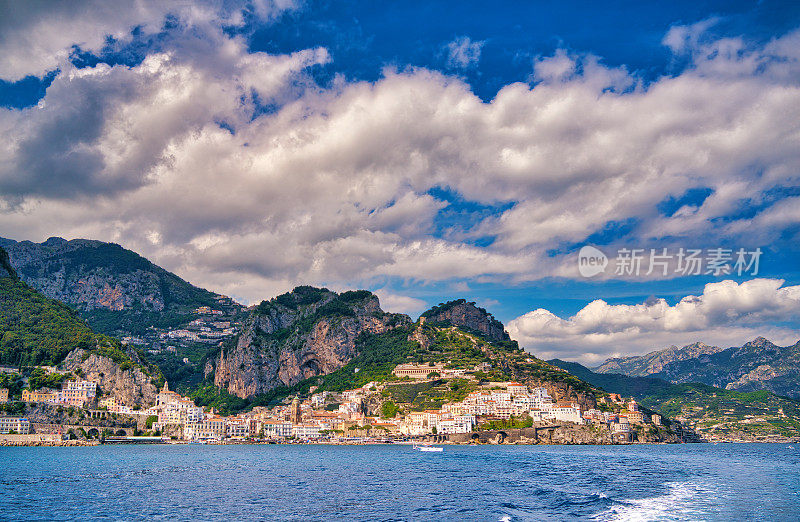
(395, 482)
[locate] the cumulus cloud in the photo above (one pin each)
(392, 302)
(37, 36)
(463, 53)
(686, 38)
(175, 158)
(725, 314)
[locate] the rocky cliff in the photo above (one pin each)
(467, 315)
(116, 290)
(301, 334)
(126, 381)
(6, 270)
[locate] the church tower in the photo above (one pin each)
(295, 415)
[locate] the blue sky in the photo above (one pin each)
(426, 151)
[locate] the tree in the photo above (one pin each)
(389, 409)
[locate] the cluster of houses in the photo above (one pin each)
(212, 325)
(73, 393)
(626, 414)
(344, 414)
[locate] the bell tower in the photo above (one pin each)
(295, 415)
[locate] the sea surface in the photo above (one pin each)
(394, 482)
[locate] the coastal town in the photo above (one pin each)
(325, 416)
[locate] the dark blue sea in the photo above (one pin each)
(394, 482)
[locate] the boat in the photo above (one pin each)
(428, 448)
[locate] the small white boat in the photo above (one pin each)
(428, 448)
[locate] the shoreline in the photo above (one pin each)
(87, 443)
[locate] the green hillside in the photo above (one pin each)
(710, 411)
(37, 330)
(97, 277)
(378, 354)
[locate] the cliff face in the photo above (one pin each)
(98, 278)
(6, 270)
(126, 382)
(305, 333)
(467, 315)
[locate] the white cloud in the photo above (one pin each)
(725, 314)
(686, 38)
(392, 302)
(335, 185)
(38, 36)
(463, 53)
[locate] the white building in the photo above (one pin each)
(89, 386)
(19, 425)
(567, 412)
(456, 424)
(211, 428)
(238, 427)
(515, 388)
(306, 431)
(274, 430)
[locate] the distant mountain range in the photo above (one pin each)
(757, 365)
(712, 412)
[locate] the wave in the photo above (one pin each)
(682, 501)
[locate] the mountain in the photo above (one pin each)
(712, 412)
(312, 337)
(37, 330)
(116, 290)
(304, 333)
(467, 315)
(655, 362)
(757, 365)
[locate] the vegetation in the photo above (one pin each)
(13, 408)
(301, 299)
(429, 395)
(710, 410)
(5, 264)
(37, 330)
(41, 379)
(445, 307)
(219, 399)
(389, 410)
(109, 260)
(377, 357)
(508, 424)
(13, 382)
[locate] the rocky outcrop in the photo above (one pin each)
(93, 275)
(564, 392)
(6, 270)
(467, 315)
(303, 334)
(126, 382)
